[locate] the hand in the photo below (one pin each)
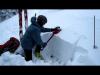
(44, 45)
(56, 30)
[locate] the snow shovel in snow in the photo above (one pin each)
(55, 32)
(37, 51)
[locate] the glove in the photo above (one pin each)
(43, 46)
(38, 55)
(56, 30)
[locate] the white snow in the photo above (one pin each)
(72, 46)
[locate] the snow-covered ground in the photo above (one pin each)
(72, 46)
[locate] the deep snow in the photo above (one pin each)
(74, 42)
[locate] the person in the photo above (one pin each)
(32, 37)
(11, 45)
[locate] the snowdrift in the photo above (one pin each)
(8, 59)
(74, 44)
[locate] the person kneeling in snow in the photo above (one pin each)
(32, 37)
(11, 45)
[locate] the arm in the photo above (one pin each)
(55, 30)
(46, 29)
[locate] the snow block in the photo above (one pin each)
(60, 49)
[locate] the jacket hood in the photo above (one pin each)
(33, 22)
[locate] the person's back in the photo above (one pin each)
(28, 41)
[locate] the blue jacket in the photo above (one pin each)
(32, 36)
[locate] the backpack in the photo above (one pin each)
(11, 45)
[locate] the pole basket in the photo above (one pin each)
(95, 47)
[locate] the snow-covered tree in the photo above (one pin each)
(7, 13)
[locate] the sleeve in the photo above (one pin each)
(46, 29)
(37, 38)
